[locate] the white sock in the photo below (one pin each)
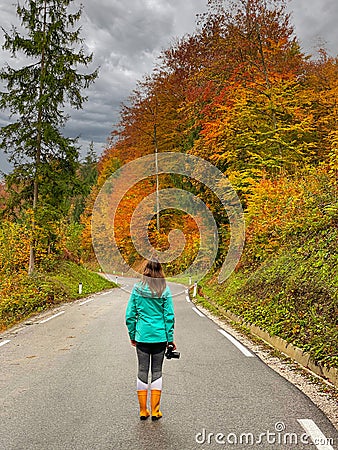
(140, 386)
(157, 384)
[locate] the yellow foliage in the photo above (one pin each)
(278, 209)
(14, 246)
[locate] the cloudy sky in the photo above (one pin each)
(126, 37)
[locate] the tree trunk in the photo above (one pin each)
(31, 258)
(38, 152)
(157, 181)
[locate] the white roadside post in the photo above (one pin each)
(80, 288)
(195, 290)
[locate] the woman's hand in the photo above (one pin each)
(133, 343)
(171, 344)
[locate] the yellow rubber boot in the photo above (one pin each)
(155, 404)
(142, 399)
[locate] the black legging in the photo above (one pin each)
(145, 353)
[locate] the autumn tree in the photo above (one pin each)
(238, 92)
(45, 161)
(321, 92)
(249, 114)
(87, 174)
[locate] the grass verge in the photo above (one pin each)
(293, 295)
(21, 295)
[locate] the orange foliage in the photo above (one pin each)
(3, 196)
(279, 209)
(239, 93)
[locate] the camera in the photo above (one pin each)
(170, 353)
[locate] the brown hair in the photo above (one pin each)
(153, 276)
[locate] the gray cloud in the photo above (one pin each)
(126, 37)
(316, 24)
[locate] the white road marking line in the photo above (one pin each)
(317, 437)
(197, 311)
(52, 317)
(4, 342)
(234, 341)
(187, 298)
(86, 301)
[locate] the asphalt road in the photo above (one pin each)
(68, 380)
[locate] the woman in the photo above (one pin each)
(150, 321)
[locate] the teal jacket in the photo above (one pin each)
(150, 319)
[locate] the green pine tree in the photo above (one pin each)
(45, 161)
(87, 174)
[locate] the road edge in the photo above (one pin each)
(319, 390)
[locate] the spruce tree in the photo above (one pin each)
(44, 160)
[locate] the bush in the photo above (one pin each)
(282, 208)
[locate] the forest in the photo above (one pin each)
(240, 93)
